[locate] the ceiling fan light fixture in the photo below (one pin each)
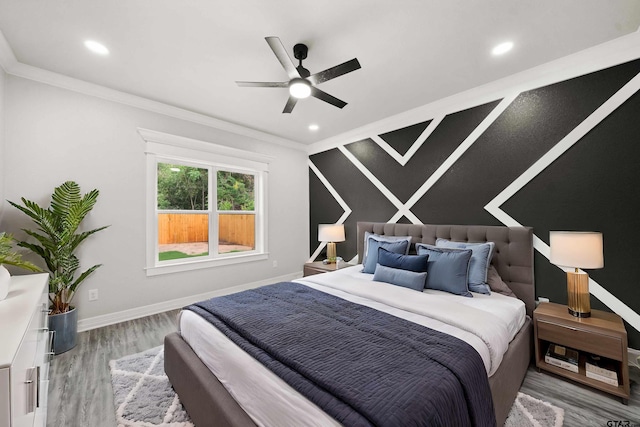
(299, 88)
(302, 83)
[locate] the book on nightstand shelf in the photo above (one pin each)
(562, 357)
(601, 369)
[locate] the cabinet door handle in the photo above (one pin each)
(32, 389)
(50, 350)
(45, 313)
(37, 386)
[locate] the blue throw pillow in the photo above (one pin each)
(447, 269)
(381, 238)
(399, 247)
(417, 263)
(481, 254)
(405, 278)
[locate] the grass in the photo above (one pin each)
(165, 256)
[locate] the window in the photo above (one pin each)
(183, 213)
(236, 211)
(185, 230)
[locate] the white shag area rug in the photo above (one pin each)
(142, 393)
(528, 411)
(144, 398)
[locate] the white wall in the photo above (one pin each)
(54, 135)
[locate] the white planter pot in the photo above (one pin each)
(5, 279)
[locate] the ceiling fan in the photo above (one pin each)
(301, 82)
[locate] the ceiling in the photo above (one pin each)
(190, 53)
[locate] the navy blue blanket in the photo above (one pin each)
(361, 366)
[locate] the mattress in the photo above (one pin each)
(248, 381)
(511, 311)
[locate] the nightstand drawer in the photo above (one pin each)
(320, 267)
(310, 271)
(600, 344)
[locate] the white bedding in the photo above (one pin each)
(487, 322)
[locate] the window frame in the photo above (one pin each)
(167, 148)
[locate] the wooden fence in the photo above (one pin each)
(235, 229)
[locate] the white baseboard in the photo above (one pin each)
(147, 310)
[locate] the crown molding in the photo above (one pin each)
(13, 67)
(592, 59)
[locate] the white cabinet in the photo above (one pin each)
(24, 352)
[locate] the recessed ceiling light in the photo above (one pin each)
(314, 127)
(502, 48)
(96, 47)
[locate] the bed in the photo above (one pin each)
(209, 403)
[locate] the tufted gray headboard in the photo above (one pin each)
(513, 257)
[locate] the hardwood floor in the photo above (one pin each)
(80, 393)
(583, 406)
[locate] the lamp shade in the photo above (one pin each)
(331, 232)
(576, 249)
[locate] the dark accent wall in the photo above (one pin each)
(592, 186)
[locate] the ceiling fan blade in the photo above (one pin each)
(278, 49)
(333, 72)
(324, 96)
(263, 84)
(291, 102)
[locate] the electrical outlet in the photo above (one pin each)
(275, 264)
(93, 294)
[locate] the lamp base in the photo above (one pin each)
(331, 253)
(579, 314)
(579, 304)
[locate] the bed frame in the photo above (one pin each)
(208, 402)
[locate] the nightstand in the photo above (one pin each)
(603, 334)
(317, 267)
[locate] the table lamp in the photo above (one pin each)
(331, 233)
(577, 249)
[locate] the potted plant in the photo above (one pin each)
(57, 239)
(10, 257)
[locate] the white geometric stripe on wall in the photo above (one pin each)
(494, 206)
(403, 159)
(336, 196)
(379, 185)
(404, 209)
(453, 157)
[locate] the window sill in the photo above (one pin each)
(209, 263)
